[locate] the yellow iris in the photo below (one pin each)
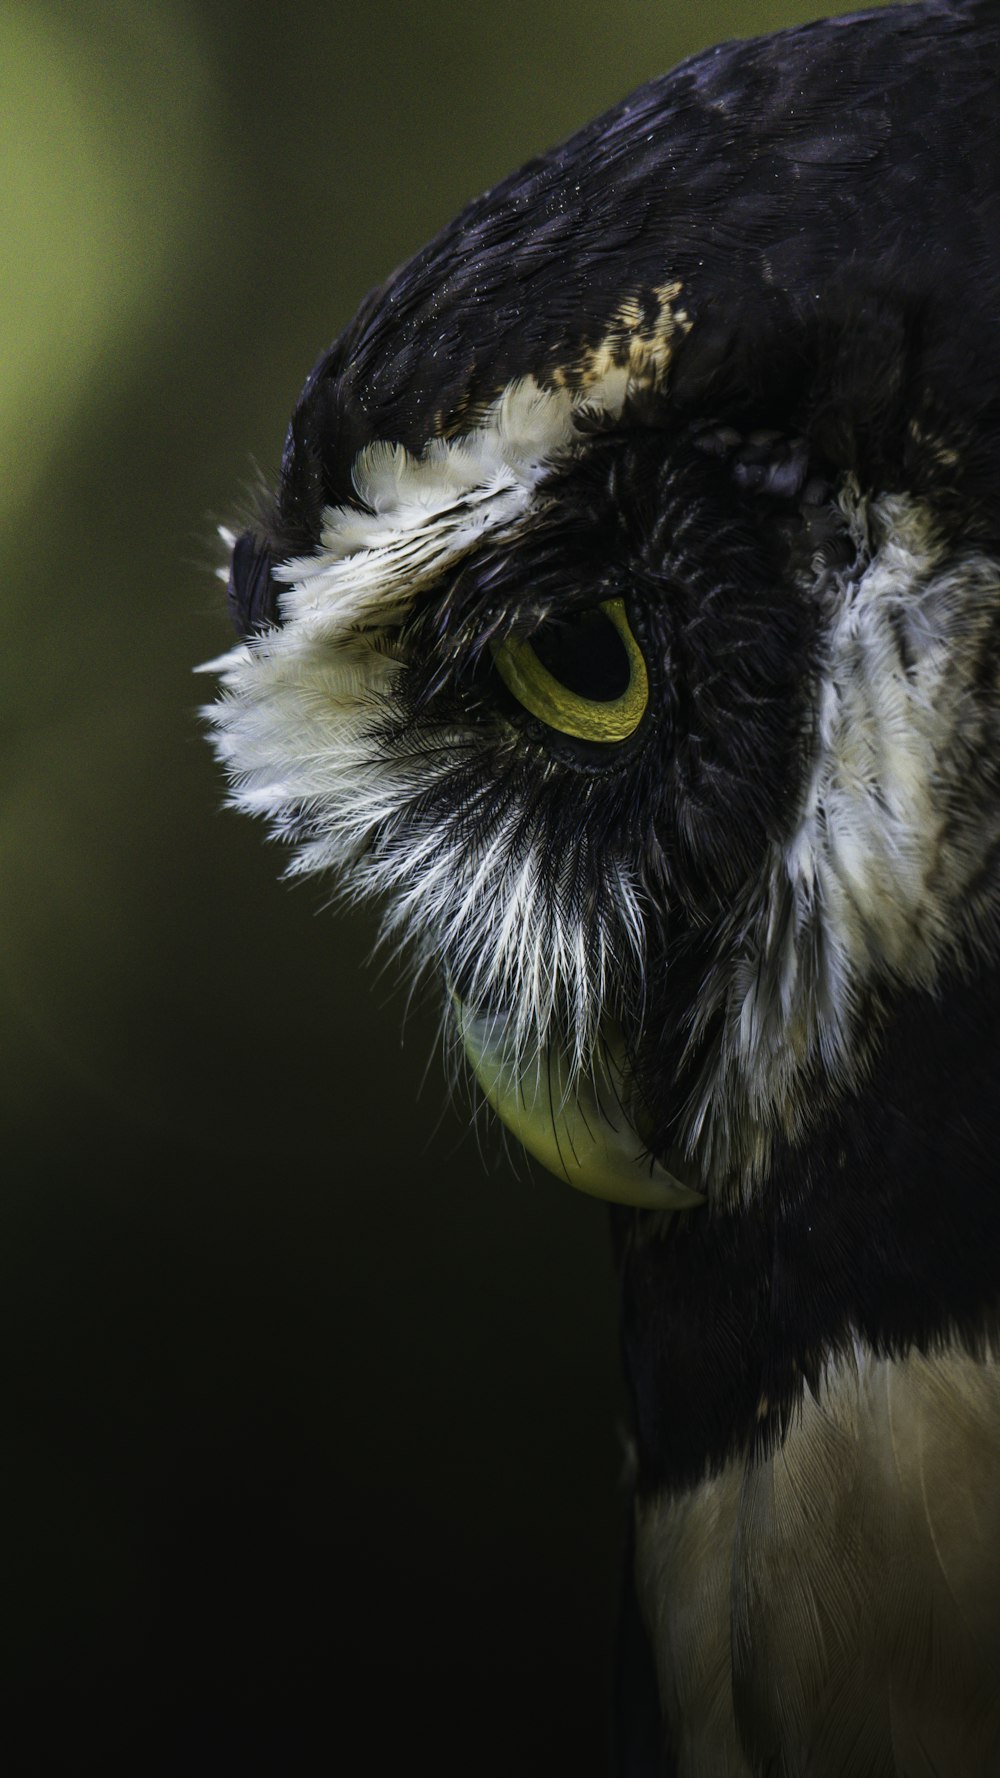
(588, 719)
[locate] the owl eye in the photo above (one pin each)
(583, 675)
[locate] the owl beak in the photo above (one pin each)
(580, 1132)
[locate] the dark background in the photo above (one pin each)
(313, 1421)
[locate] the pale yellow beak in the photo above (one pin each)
(582, 1136)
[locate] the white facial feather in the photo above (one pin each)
(295, 725)
(422, 514)
(867, 889)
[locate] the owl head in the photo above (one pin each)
(627, 616)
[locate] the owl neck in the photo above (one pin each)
(877, 1233)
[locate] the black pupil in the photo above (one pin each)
(586, 654)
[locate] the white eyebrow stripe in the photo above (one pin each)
(422, 512)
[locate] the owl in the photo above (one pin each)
(626, 620)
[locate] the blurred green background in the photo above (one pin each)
(313, 1420)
